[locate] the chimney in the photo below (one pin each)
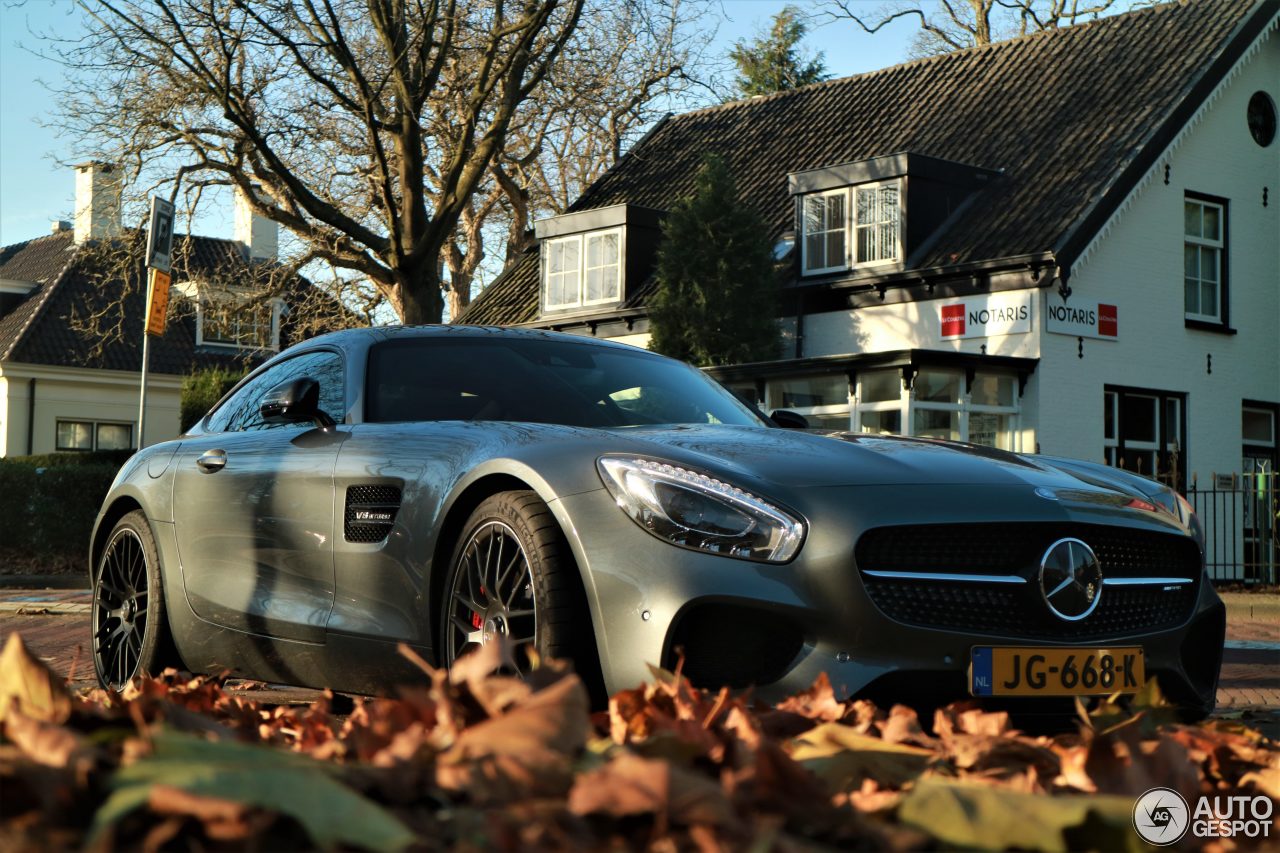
(258, 235)
(97, 201)
(59, 226)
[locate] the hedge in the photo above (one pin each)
(201, 390)
(48, 505)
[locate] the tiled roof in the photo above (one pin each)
(39, 330)
(1065, 114)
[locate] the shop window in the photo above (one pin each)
(823, 400)
(1204, 250)
(939, 406)
(92, 435)
(1143, 432)
(852, 227)
(582, 270)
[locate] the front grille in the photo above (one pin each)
(1016, 549)
(1017, 609)
(1007, 610)
(371, 512)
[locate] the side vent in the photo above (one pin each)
(371, 511)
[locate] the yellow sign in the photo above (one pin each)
(157, 302)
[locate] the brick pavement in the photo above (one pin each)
(55, 625)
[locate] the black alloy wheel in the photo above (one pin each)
(128, 607)
(492, 592)
(512, 575)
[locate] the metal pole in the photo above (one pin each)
(146, 352)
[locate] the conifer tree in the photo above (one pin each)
(773, 62)
(716, 301)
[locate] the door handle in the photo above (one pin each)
(212, 460)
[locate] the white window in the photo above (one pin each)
(876, 224)
(839, 235)
(244, 324)
(825, 225)
(91, 435)
(939, 406)
(583, 269)
(1204, 242)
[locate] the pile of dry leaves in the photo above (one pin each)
(476, 760)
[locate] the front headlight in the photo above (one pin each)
(695, 511)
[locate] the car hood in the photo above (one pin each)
(799, 458)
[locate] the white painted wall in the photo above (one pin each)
(81, 395)
(912, 325)
(1138, 266)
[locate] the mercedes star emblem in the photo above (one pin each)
(1070, 579)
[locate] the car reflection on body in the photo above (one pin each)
(444, 486)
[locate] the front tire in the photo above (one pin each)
(512, 574)
(130, 630)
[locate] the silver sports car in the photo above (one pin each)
(443, 486)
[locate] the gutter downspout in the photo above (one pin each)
(31, 416)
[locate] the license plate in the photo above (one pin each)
(1021, 671)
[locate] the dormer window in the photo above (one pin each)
(835, 240)
(584, 269)
(854, 216)
(225, 318)
(589, 256)
(249, 325)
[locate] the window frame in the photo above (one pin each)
(852, 224)
(1198, 319)
(907, 404)
(1170, 439)
(582, 239)
(339, 416)
(93, 434)
(275, 305)
(844, 229)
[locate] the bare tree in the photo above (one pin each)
(947, 25)
(627, 63)
(365, 127)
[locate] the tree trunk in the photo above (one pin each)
(459, 294)
(420, 298)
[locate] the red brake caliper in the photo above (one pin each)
(477, 620)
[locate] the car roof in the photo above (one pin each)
(378, 334)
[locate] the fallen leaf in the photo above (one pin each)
(843, 758)
(982, 817)
(294, 785)
(630, 785)
(27, 684)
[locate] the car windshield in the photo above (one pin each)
(540, 381)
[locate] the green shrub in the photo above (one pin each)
(47, 511)
(73, 458)
(201, 390)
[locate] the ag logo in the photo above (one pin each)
(1161, 816)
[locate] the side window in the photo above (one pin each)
(240, 412)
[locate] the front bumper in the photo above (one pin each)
(778, 627)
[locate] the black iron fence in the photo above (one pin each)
(1241, 517)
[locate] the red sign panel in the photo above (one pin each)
(1108, 321)
(952, 320)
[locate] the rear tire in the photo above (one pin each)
(130, 629)
(512, 573)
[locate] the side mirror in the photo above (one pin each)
(789, 420)
(295, 401)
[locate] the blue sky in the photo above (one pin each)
(35, 188)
